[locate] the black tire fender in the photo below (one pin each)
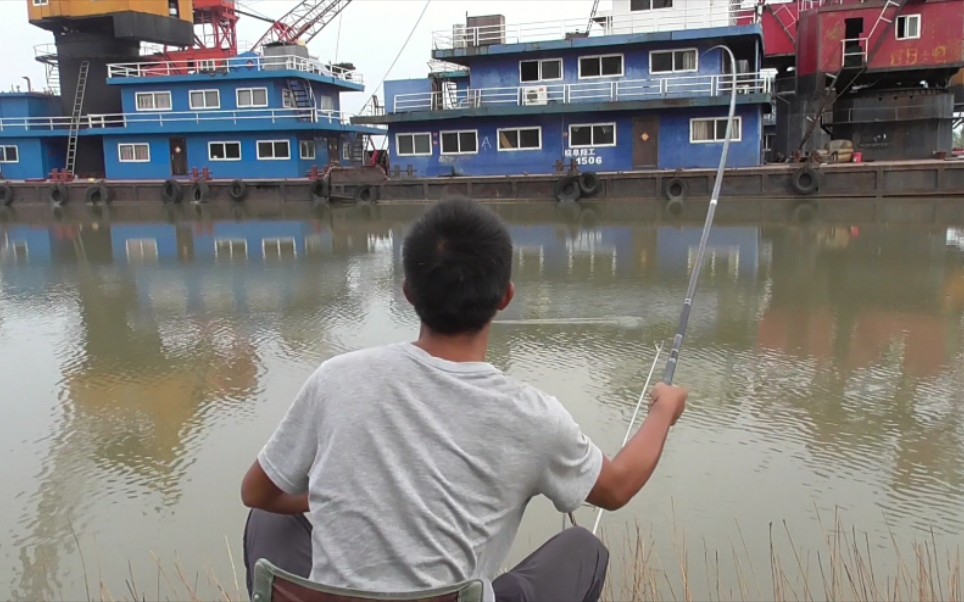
(171, 191)
(58, 194)
(675, 189)
(589, 183)
(238, 190)
(567, 189)
(805, 180)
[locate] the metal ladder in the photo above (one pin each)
(75, 117)
(303, 97)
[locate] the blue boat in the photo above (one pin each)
(641, 87)
(272, 115)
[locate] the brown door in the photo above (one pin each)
(178, 156)
(646, 143)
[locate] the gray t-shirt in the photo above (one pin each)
(419, 469)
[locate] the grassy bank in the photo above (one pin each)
(842, 570)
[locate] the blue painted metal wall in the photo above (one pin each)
(37, 157)
(227, 89)
(675, 149)
(405, 86)
(249, 167)
(503, 71)
(37, 240)
(674, 246)
(29, 104)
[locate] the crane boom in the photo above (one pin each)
(303, 22)
(592, 15)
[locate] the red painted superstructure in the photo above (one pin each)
(215, 33)
(823, 36)
(779, 22)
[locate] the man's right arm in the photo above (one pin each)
(622, 477)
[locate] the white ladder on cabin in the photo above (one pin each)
(75, 117)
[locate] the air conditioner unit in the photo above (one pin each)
(535, 95)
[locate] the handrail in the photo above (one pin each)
(671, 19)
(162, 118)
(233, 64)
(594, 91)
(857, 48)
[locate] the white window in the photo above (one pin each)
(279, 248)
(594, 134)
(141, 250)
(153, 101)
(638, 5)
(520, 139)
(41, 2)
(714, 130)
(306, 148)
(673, 61)
(9, 154)
(540, 71)
(139, 152)
(465, 142)
(205, 99)
(610, 65)
(252, 97)
(21, 250)
(413, 145)
(273, 150)
(224, 151)
(229, 248)
(908, 27)
(286, 100)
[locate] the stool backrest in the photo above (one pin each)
(272, 584)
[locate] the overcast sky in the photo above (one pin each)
(372, 33)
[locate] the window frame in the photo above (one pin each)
(562, 71)
(3, 153)
(415, 153)
(916, 17)
(225, 143)
(310, 144)
(40, 3)
(672, 53)
(277, 242)
(738, 123)
(190, 99)
(651, 7)
(441, 146)
(592, 142)
(498, 135)
(133, 145)
(600, 57)
(257, 149)
(153, 95)
(231, 242)
(237, 98)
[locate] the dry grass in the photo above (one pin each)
(842, 571)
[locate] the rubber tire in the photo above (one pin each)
(238, 190)
(675, 183)
(804, 213)
(797, 180)
(589, 183)
(567, 189)
(365, 194)
(95, 195)
(171, 191)
(674, 207)
(200, 192)
(58, 194)
(320, 191)
(7, 194)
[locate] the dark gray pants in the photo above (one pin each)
(570, 566)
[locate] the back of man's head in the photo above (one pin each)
(458, 266)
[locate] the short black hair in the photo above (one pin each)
(458, 265)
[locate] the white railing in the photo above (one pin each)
(238, 64)
(670, 19)
(854, 49)
(597, 91)
(179, 119)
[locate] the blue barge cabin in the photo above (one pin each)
(272, 116)
(641, 88)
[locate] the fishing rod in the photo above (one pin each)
(711, 212)
(691, 289)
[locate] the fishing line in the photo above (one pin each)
(691, 289)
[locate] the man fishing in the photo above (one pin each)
(414, 462)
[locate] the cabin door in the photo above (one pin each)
(646, 143)
(179, 156)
